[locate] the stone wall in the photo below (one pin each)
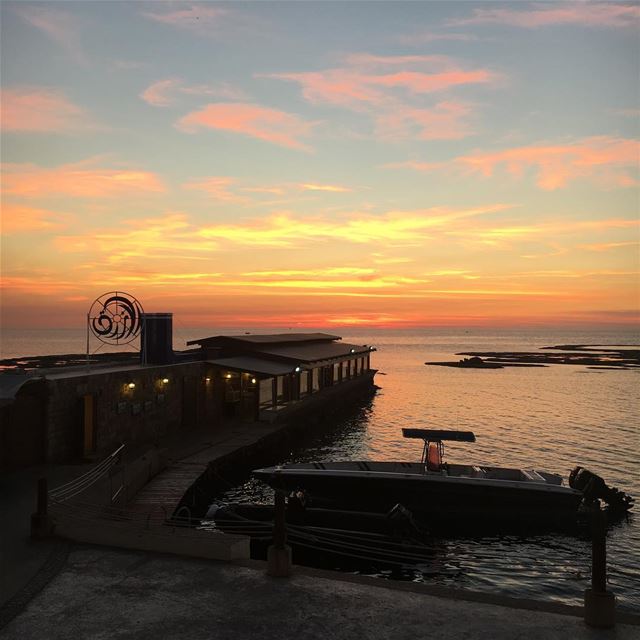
(137, 415)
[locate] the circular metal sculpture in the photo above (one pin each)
(115, 317)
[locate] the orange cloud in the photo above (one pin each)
(588, 14)
(34, 109)
(400, 227)
(270, 125)
(332, 188)
(217, 187)
(607, 246)
(607, 160)
(20, 219)
(80, 180)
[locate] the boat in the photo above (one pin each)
(435, 490)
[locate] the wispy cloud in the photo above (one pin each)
(587, 14)
(608, 246)
(17, 218)
(80, 180)
(612, 162)
(393, 90)
(217, 187)
(61, 27)
(41, 110)
(331, 188)
(164, 93)
(229, 189)
(271, 125)
(201, 18)
(426, 37)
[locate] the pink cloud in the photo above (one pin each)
(197, 17)
(610, 161)
(79, 180)
(556, 165)
(264, 123)
(163, 93)
(159, 94)
(589, 14)
(40, 110)
(61, 27)
(392, 89)
(358, 85)
(445, 121)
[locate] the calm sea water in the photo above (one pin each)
(548, 418)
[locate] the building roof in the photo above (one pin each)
(273, 338)
(307, 353)
(11, 383)
(254, 365)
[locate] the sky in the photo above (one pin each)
(322, 164)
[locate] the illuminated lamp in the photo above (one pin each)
(165, 380)
(253, 380)
(352, 351)
(228, 376)
(298, 369)
(207, 380)
(131, 385)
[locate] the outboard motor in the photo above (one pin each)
(593, 487)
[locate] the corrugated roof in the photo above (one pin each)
(273, 338)
(315, 352)
(254, 365)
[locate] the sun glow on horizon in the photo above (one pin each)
(394, 168)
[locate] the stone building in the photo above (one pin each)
(64, 414)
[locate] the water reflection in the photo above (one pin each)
(550, 418)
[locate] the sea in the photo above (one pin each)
(551, 418)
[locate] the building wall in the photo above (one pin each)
(23, 428)
(115, 413)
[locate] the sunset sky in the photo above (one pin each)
(322, 164)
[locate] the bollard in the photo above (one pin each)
(279, 553)
(599, 604)
(41, 523)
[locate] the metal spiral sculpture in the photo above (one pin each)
(115, 317)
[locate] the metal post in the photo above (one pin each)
(598, 553)
(43, 497)
(279, 526)
(41, 523)
(599, 604)
(279, 553)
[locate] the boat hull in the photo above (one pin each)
(429, 497)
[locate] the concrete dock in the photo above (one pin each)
(105, 593)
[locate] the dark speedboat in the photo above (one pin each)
(435, 489)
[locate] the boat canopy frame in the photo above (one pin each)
(433, 452)
(438, 435)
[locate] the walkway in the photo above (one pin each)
(104, 593)
(190, 459)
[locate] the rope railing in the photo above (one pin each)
(79, 485)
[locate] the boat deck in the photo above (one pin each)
(448, 470)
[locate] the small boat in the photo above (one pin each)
(434, 490)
